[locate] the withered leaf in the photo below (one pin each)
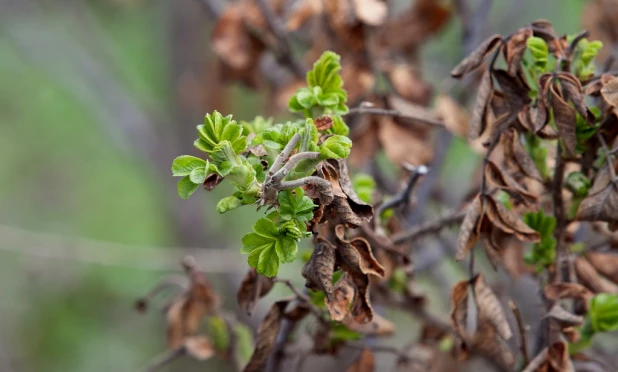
(339, 209)
(509, 222)
(514, 89)
(609, 92)
(324, 122)
(357, 254)
(211, 181)
(514, 151)
(553, 359)
(405, 142)
(477, 56)
(602, 206)
(378, 326)
(605, 263)
(557, 291)
(515, 47)
(488, 336)
(319, 270)
(371, 12)
(469, 234)
(573, 91)
(565, 119)
(266, 336)
(253, 287)
(505, 182)
(601, 180)
(481, 105)
(564, 317)
(455, 118)
(199, 347)
(364, 363)
(544, 29)
(588, 276)
(407, 83)
(362, 209)
(338, 303)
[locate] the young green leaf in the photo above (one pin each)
(198, 175)
(183, 165)
(186, 187)
(295, 205)
(336, 147)
(228, 203)
(267, 247)
(603, 312)
(364, 186)
(219, 333)
(216, 129)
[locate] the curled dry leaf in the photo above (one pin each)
(491, 330)
(253, 287)
(505, 182)
(609, 92)
(362, 209)
(342, 209)
(211, 181)
(455, 118)
(475, 58)
(589, 277)
(469, 233)
(605, 263)
(199, 347)
(364, 363)
(509, 222)
(564, 317)
(514, 89)
(481, 106)
(338, 303)
(371, 12)
(558, 291)
(515, 153)
(324, 122)
(602, 206)
(319, 270)
(186, 311)
(266, 336)
(515, 48)
(408, 83)
(378, 326)
(553, 359)
(405, 143)
(565, 119)
(573, 91)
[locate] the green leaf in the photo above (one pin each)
(305, 98)
(336, 147)
(228, 203)
(340, 332)
(539, 51)
(295, 205)
(219, 334)
(265, 227)
(339, 126)
(244, 343)
(286, 249)
(364, 186)
(198, 175)
(603, 312)
(578, 183)
(268, 262)
(183, 165)
(544, 252)
(186, 187)
(216, 129)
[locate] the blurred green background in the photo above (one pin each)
(96, 99)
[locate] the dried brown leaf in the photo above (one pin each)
(565, 119)
(362, 209)
(341, 209)
(199, 347)
(409, 143)
(253, 287)
(509, 222)
(514, 89)
(490, 307)
(475, 58)
(266, 336)
(211, 181)
(602, 206)
(559, 358)
(609, 92)
(364, 363)
(505, 182)
(515, 47)
(481, 105)
(573, 91)
(558, 291)
(469, 233)
(324, 122)
(456, 119)
(564, 317)
(319, 270)
(588, 276)
(371, 12)
(605, 263)
(514, 151)
(378, 326)
(357, 254)
(338, 303)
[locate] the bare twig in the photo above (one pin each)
(287, 150)
(295, 159)
(404, 196)
(321, 182)
(522, 332)
(302, 297)
(164, 359)
(285, 54)
(395, 114)
(427, 228)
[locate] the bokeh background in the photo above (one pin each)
(96, 99)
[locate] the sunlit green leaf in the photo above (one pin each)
(295, 205)
(183, 165)
(336, 147)
(186, 187)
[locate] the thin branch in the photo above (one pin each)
(582, 35)
(394, 113)
(522, 332)
(302, 297)
(558, 208)
(286, 55)
(403, 197)
(284, 185)
(287, 150)
(295, 159)
(164, 359)
(431, 227)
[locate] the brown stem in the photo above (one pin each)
(302, 297)
(395, 114)
(404, 196)
(522, 332)
(558, 207)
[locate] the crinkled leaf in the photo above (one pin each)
(217, 128)
(186, 187)
(198, 175)
(295, 205)
(266, 336)
(603, 312)
(228, 203)
(183, 165)
(267, 247)
(477, 56)
(336, 147)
